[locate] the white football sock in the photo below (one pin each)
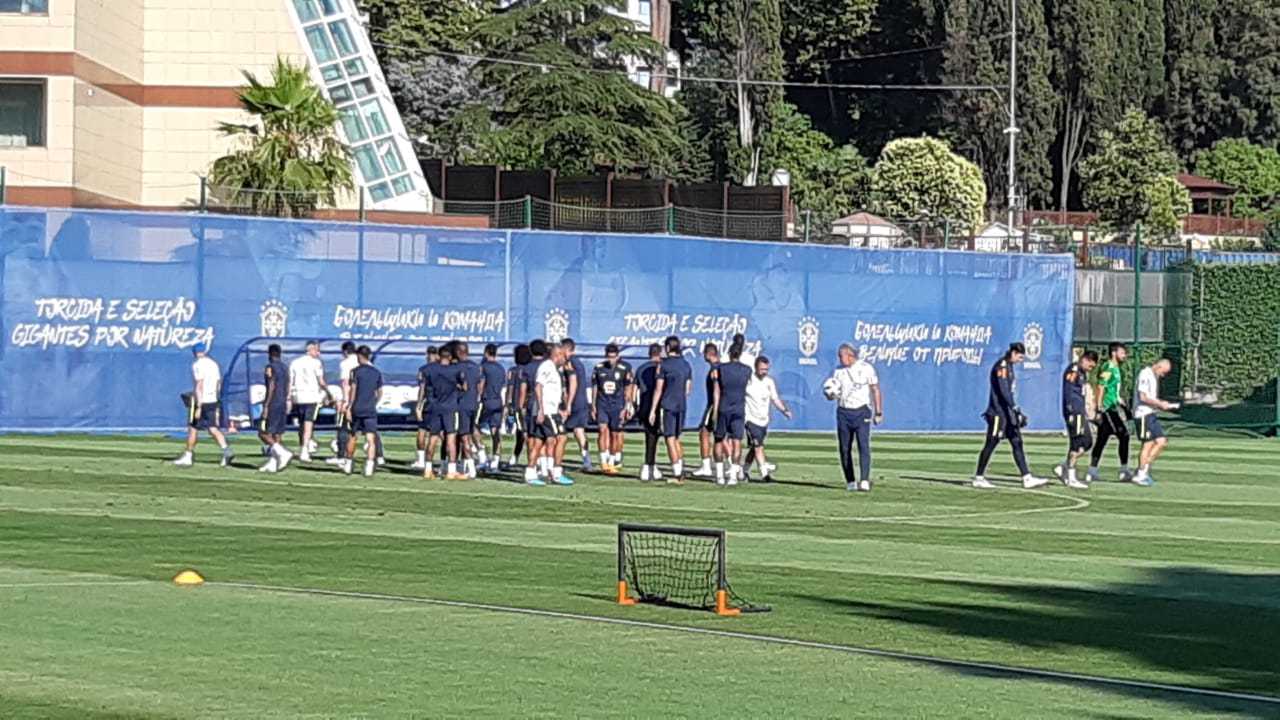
(677, 467)
(453, 468)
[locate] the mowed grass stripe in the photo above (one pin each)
(1095, 587)
(296, 512)
(343, 655)
(563, 511)
(1109, 628)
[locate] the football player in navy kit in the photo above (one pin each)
(613, 386)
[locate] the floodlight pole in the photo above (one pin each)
(1012, 130)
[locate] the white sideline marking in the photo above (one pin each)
(851, 649)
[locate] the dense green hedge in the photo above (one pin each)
(1236, 323)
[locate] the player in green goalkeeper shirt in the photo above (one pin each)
(1112, 412)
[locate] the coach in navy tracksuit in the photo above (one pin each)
(858, 405)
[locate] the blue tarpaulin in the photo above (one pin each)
(101, 308)
(1156, 260)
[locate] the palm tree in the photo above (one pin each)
(291, 159)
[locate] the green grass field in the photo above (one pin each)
(1175, 584)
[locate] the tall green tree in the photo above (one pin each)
(290, 159)
(1254, 170)
(405, 28)
(432, 90)
(817, 33)
(915, 176)
(1083, 54)
(1130, 178)
(827, 181)
(568, 106)
(901, 48)
(1139, 32)
(744, 39)
(1192, 97)
(977, 52)
(1249, 32)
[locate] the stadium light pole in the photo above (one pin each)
(1012, 131)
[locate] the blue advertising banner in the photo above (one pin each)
(100, 309)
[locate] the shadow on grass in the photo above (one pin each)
(946, 481)
(1198, 622)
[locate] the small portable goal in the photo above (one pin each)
(680, 567)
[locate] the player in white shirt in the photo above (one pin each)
(550, 414)
(308, 393)
(1150, 434)
(204, 412)
(762, 397)
(856, 389)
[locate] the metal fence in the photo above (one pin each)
(1154, 312)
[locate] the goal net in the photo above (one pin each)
(683, 567)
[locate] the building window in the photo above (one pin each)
(402, 185)
(306, 10)
(355, 67)
(340, 94)
(370, 170)
(380, 192)
(646, 14)
(25, 7)
(351, 125)
(391, 157)
(342, 36)
(320, 45)
(21, 113)
(383, 161)
(372, 113)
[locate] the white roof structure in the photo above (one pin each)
(867, 230)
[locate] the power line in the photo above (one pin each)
(754, 82)
(916, 51)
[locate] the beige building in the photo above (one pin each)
(116, 102)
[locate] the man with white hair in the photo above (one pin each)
(856, 389)
(1150, 434)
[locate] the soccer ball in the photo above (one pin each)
(831, 388)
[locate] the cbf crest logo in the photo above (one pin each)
(274, 317)
(1033, 339)
(808, 333)
(556, 325)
